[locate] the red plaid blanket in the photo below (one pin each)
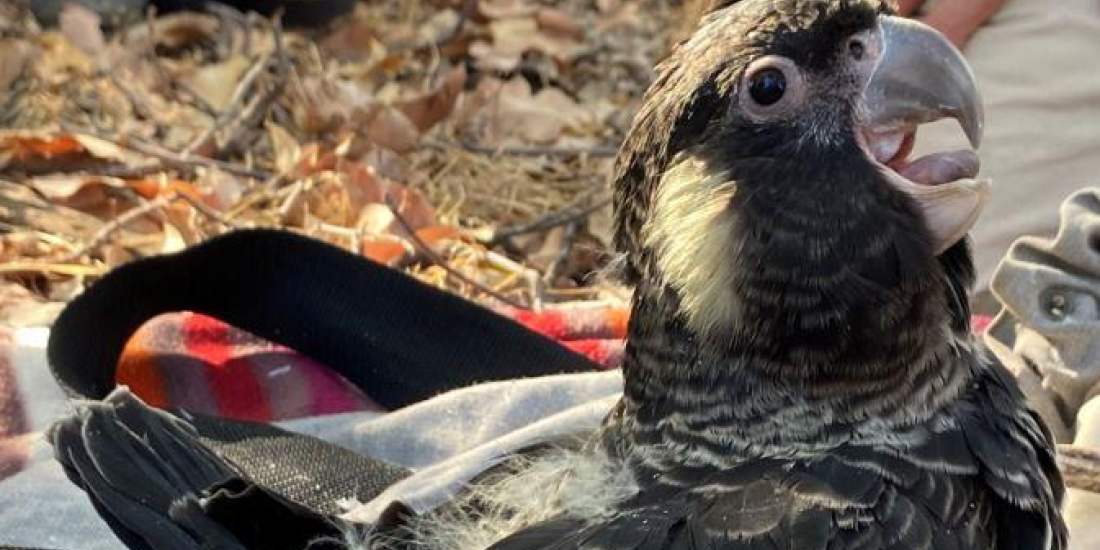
(200, 364)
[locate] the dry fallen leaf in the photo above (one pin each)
(20, 206)
(363, 183)
(81, 26)
(542, 249)
(508, 112)
(514, 37)
(35, 152)
(326, 105)
(173, 240)
(344, 134)
(313, 159)
(330, 201)
(387, 164)
(178, 31)
(557, 22)
(411, 204)
(438, 236)
(61, 188)
(23, 145)
(17, 55)
(438, 27)
(287, 150)
(105, 150)
(215, 83)
(490, 60)
(214, 187)
(607, 6)
(376, 219)
(501, 9)
(354, 41)
(386, 249)
(390, 128)
(428, 110)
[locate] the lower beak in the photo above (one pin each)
(921, 77)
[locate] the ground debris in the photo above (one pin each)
(465, 141)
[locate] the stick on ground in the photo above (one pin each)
(434, 258)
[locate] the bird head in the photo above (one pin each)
(767, 178)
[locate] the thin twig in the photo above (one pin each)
(171, 84)
(175, 87)
(118, 223)
(141, 109)
(206, 210)
(570, 214)
(142, 209)
(46, 237)
(233, 108)
(58, 268)
(227, 13)
(9, 31)
(240, 114)
(172, 159)
(259, 106)
(468, 11)
(228, 16)
(567, 240)
(602, 151)
(193, 98)
(434, 258)
(291, 201)
(134, 172)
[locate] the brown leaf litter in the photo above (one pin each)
(467, 142)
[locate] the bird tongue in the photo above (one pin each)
(893, 149)
(941, 184)
(940, 168)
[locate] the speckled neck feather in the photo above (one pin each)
(781, 306)
(822, 320)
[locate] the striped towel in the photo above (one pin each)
(200, 364)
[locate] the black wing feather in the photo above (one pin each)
(983, 478)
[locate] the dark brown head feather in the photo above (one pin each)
(694, 88)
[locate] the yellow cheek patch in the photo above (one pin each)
(691, 233)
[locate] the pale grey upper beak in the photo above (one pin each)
(922, 77)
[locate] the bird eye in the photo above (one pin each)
(772, 87)
(856, 49)
(768, 86)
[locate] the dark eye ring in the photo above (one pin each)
(856, 49)
(767, 86)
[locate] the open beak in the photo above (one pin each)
(920, 77)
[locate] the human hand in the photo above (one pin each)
(958, 20)
(907, 7)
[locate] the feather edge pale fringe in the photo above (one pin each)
(526, 491)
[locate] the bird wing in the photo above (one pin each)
(981, 476)
(832, 503)
(1016, 455)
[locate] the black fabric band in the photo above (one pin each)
(163, 482)
(398, 339)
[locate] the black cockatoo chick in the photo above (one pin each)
(800, 372)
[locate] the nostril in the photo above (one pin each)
(856, 49)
